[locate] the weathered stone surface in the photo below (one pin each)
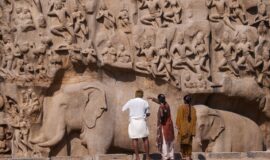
(67, 68)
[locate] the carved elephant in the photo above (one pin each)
(80, 107)
(223, 131)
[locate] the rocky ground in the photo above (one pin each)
(155, 156)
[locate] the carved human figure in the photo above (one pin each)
(28, 20)
(41, 48)
(172, 11)
(90, 7)
(201, 53)
(188, 83)
(29, 71)
(180, 53)
(263, 66)
(123, 55)
(75, 54)
(42, 73)
(219, 11)
(165, 61)
(108, 54)
(30, 105)
(7, 8)
(79, 23)
(105, 17)
(149, 65)
(34, 110)
(24, 20)
(58, 10)
(4, 146)
(261, 21)
(41, 21)
(237, 10)
(262, 13)
(124, 21)
(8, 58)
(201, 82)
(246, 51)
(228, 60)
(21, 133)
(89, 54)
(18, 60)
(155, 13)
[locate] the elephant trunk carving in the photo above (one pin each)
(74, 108)
(60, 132)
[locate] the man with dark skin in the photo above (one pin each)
(137, 129)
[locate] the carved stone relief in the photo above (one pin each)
(86, 48)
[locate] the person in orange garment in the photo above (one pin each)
(186, 124)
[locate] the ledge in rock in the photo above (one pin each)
(157, 156)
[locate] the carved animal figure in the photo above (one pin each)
(77, 107)
(222, 131)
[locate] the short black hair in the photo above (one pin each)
(187, 99)
(161, 98)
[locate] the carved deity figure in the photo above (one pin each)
(124, 21)
(201, 53)
(109, 54)
(79, 23)
(165, 60)
(105, 17)
(122, 55)
(246, 51)
(149, 64)
(172, 11)
(154, 17)
(228, 60)
(219, 11)
(180, 53)
(58, 10)
(237, 10)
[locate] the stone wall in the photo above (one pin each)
(68, 66)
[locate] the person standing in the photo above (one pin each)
(186, 124)
(137, 129)
(165, 131)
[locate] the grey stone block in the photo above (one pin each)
(113, 157)
(225, 155)
(258, 155)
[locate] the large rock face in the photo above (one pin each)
(68, 66)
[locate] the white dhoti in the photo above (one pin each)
(137, 128)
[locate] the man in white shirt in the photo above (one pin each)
(138, 111)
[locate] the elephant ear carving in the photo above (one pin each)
(95, 105)
(217, 124)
